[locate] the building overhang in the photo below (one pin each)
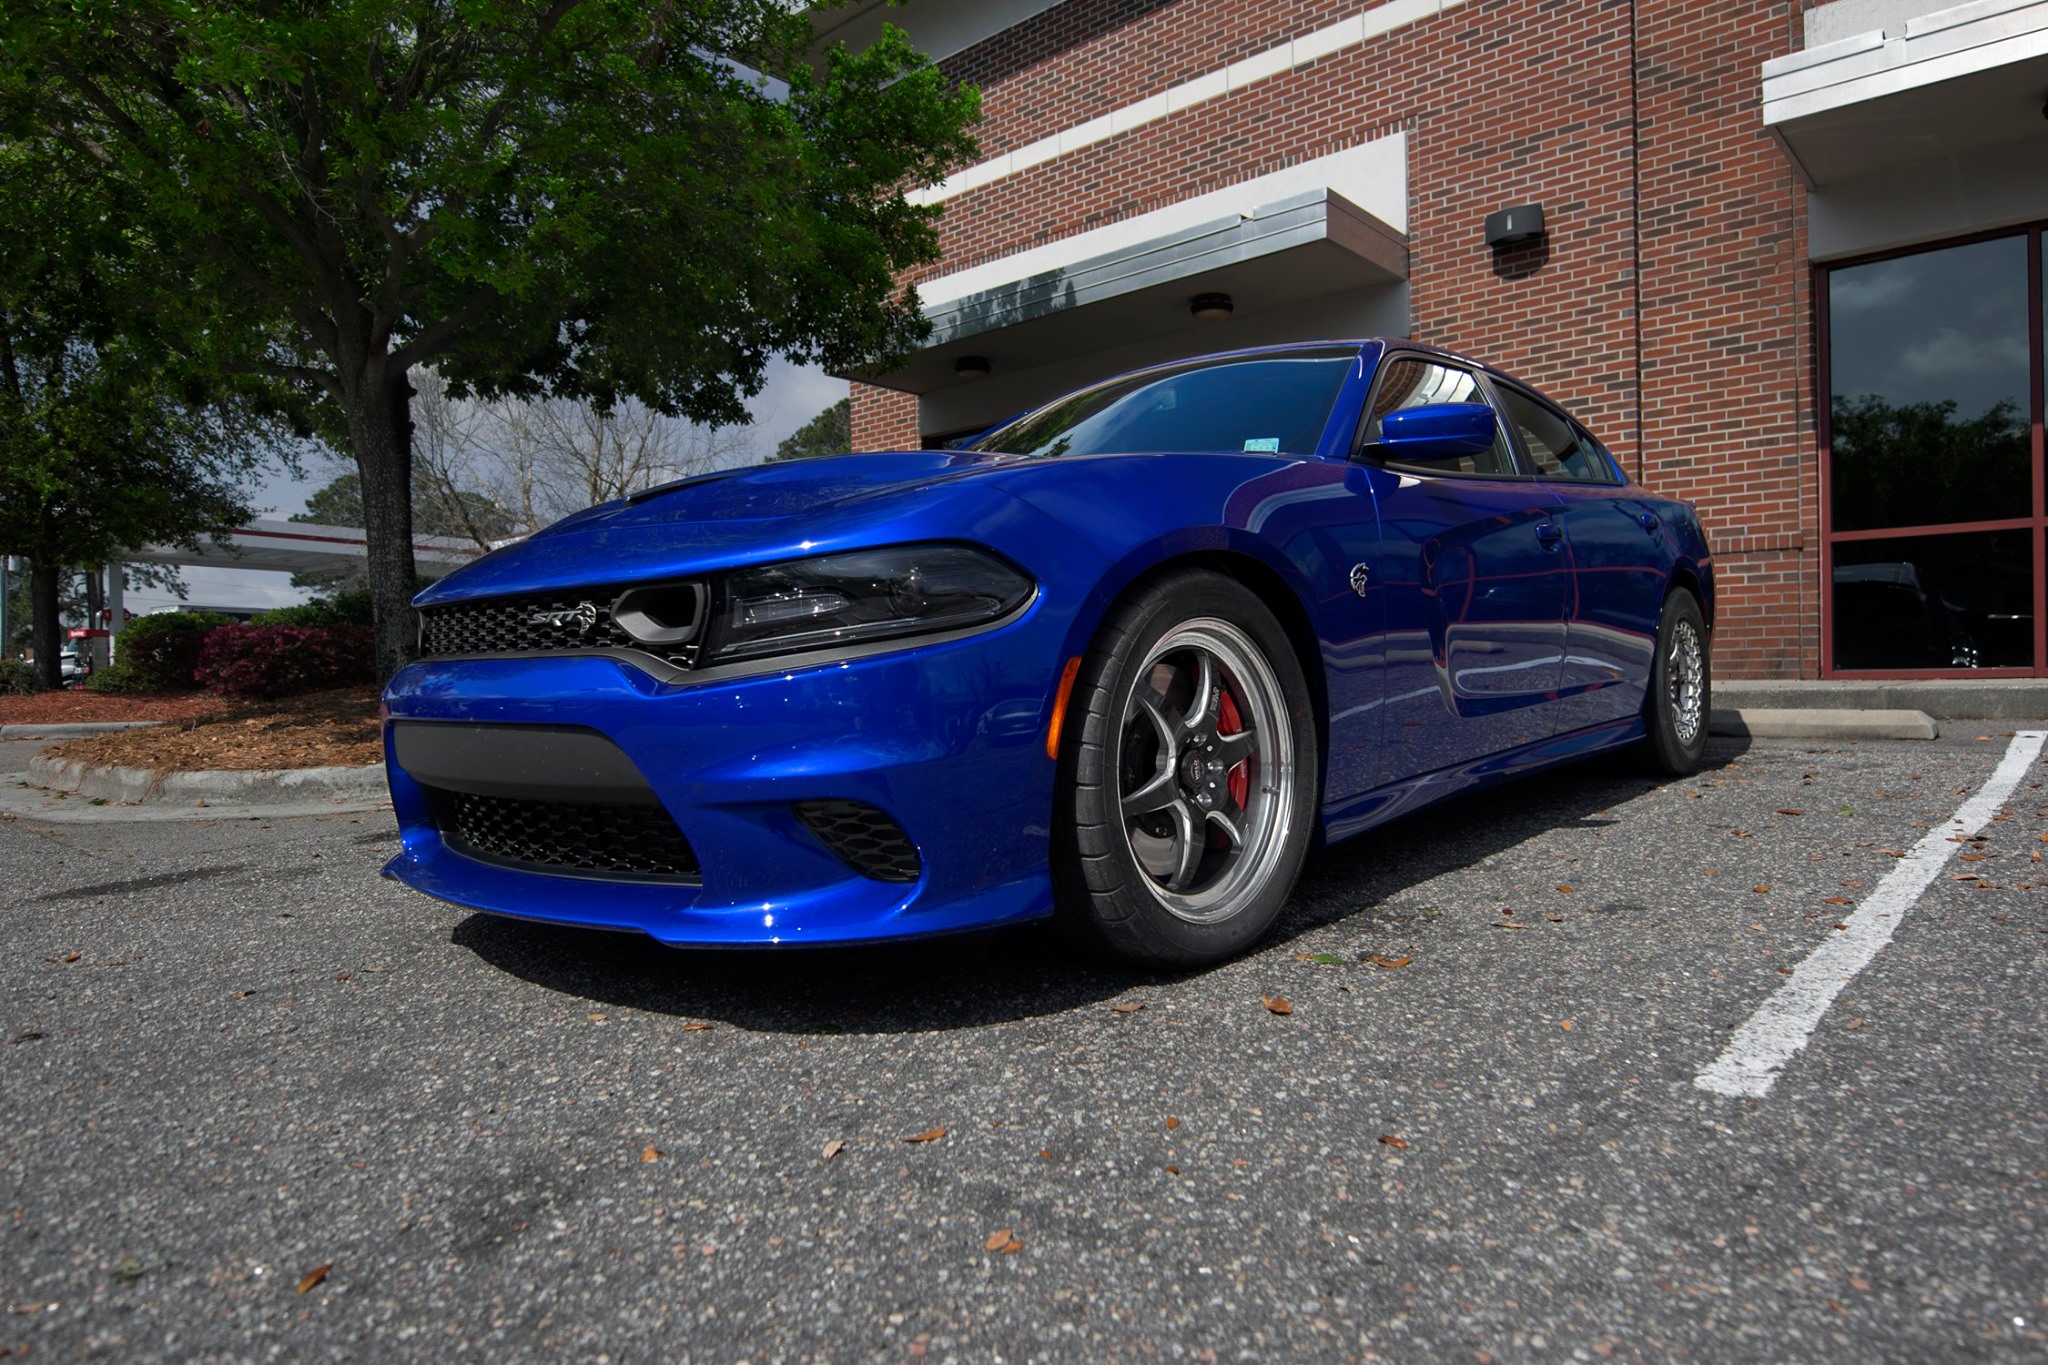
(1942, 86)
(301, 547)
(1305, 246)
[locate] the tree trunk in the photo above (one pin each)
(380, 432)
(45, 580)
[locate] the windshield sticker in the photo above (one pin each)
(1271, 443)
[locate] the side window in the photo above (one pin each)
(1555, 444)
(1409, 382)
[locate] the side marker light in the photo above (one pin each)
(1059, 708)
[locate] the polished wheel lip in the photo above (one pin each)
(1191, 766)
(1685, 672)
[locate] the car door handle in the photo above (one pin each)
(1549, 535)
(1649, 520)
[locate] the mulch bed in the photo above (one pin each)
(338, 729)
(55, 708)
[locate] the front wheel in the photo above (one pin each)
(1681, 689)
(1188, 786)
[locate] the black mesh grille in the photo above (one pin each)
(865, 839)
(535, 623)
(568, 836)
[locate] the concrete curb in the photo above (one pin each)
(71, 729)
(1763, 722)
(263, 786)
(2014, 699)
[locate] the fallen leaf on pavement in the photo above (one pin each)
(1855, 1023)
(1172, 1122)
(1389, 1140)
(1044, 1153)
(1173, 1170)
(1565, 1024)
(1790, 810)
(1567, 889)
(1388, 964)
(1499, 924)
(929, 1135)
(1278, 1004)
(1784, 971)
(833, 1148)
(1971, 857)
(651, 1153)
(72, 957)
(1127, 1007)
(1834, 900)
(1761, 890)
(1320, 959)
(696, 1028)
(595, 1018)
(997, 1240)
(314, 1276)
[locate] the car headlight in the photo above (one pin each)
(848, 599)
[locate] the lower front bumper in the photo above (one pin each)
(948, 741)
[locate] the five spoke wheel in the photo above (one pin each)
(1206, 763)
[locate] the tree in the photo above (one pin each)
(829, 433)
(101, 449)
(462, 513)
(595, 199)
(539, 460)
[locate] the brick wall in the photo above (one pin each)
(1636, 126)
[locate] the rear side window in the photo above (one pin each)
(1411, 382)
(1556, 446)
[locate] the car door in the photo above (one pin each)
(1620, 562)
(1476, 581)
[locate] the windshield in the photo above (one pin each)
(1276, 403)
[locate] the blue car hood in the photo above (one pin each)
(742, 516)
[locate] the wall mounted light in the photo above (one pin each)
(1211, 307)
(1511, 227)
(971, 367)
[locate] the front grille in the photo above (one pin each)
(865, 840)
(506, 625)
(565, 836)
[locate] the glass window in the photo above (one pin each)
(1554, 442)
(1954, 601)
(1411, 382)
(1268, 403)
(1929, 368)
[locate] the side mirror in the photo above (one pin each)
(1437, 431)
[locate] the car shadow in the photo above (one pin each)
(1004, 976)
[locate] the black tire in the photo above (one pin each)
(1201, 875)
(1674, 713)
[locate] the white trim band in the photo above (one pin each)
(1260, 66)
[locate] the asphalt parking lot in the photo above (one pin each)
(231, 1055)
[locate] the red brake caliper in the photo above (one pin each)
(1228, 723)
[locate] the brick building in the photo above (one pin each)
(1746, 205)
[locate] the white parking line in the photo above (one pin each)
(1776, 1032)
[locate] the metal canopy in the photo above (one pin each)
(300, 547)
(1306, 246)
(1957, 81)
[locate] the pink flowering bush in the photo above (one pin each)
(261, 662)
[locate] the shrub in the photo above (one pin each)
(17, 677)
(342, 609)
(157, 653)
(261, 662)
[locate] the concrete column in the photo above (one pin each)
(114, 612)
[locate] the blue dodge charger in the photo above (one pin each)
(1121, 661)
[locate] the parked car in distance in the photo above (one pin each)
(71, 670)
(1123, 660)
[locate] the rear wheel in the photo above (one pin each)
(1189, 781)
(1681, 689)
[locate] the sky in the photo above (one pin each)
(792, 396)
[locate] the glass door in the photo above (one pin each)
(1931, 489)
